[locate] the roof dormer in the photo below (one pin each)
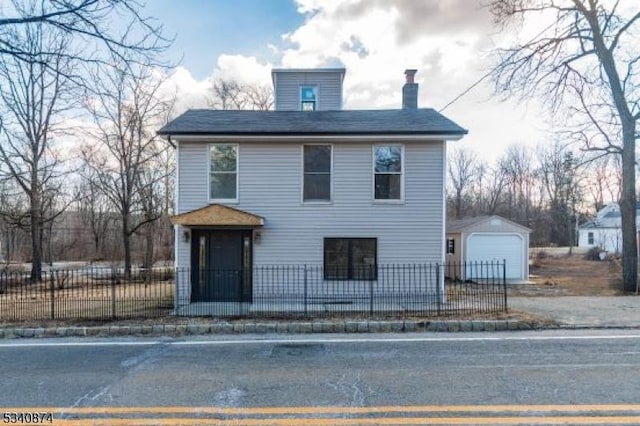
(307, 89)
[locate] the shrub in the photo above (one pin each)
(537, 256)
(593, 254)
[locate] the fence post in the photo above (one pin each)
(371, 295)
(113, 295)
(52, 289)
(306, 290)
(504, 282)
(438, 289)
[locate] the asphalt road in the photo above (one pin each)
(507, 378)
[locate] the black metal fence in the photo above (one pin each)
(302, 291)
(87, 294)
(265, 291)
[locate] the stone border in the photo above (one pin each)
(294, 327)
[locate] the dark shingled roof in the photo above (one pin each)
(344, 122)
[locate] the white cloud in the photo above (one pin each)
(376, 40)
(445, 40)
(193, 93)
(190, 92)
(244, 69)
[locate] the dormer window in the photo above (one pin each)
(308, 98)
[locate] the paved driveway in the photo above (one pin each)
(583, 311)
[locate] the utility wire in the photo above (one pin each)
(484, 77)
(468, 89)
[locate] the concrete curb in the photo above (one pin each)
(265, 327)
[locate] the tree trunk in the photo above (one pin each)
(458, 206)
(36, 240)
(148, 254)
(628, 213)
(628, 123)
(96, 246)
(126, 242)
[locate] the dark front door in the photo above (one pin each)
(221, 266)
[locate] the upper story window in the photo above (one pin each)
(308, 98)
(223, 172)
(388, 172)
(317, 173)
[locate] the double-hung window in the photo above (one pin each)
(590, 238)
(308, 98)
(317, 173)
(350, 258)
(223, 172)
(388, 172)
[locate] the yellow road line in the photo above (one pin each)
(327, 409)
(581, 420)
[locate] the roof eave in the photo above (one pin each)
(396, 136)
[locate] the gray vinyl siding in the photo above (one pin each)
(270, 185)
(182, 263)
(192, 194)
(287, 89)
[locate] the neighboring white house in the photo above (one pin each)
(345, 191)
(476, 245)
(605, 231)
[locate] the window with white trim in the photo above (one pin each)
(308, 98)
(590, 238)
(317, 173)
(223, 172)
(388, 172)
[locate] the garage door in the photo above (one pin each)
(496, 248)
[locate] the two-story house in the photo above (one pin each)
(343, 191)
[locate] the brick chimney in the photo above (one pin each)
(410, 91)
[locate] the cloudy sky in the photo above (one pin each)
(448, 41)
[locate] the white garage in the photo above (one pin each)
(475, 246)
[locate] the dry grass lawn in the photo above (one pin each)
(87, 302)
(571, 275)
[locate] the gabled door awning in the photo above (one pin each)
(217, 215)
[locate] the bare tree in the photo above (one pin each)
(230, 94)
(114, 27)
(35, 96)
(14, 215)
(260, 97)
(516, 167)
(93, 207)
(488, 189)
(560, 179)
(125, 110)
(152, 202)
(603, 181)
(587, 57)
(464, 170)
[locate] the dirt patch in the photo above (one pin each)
(571, 275)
